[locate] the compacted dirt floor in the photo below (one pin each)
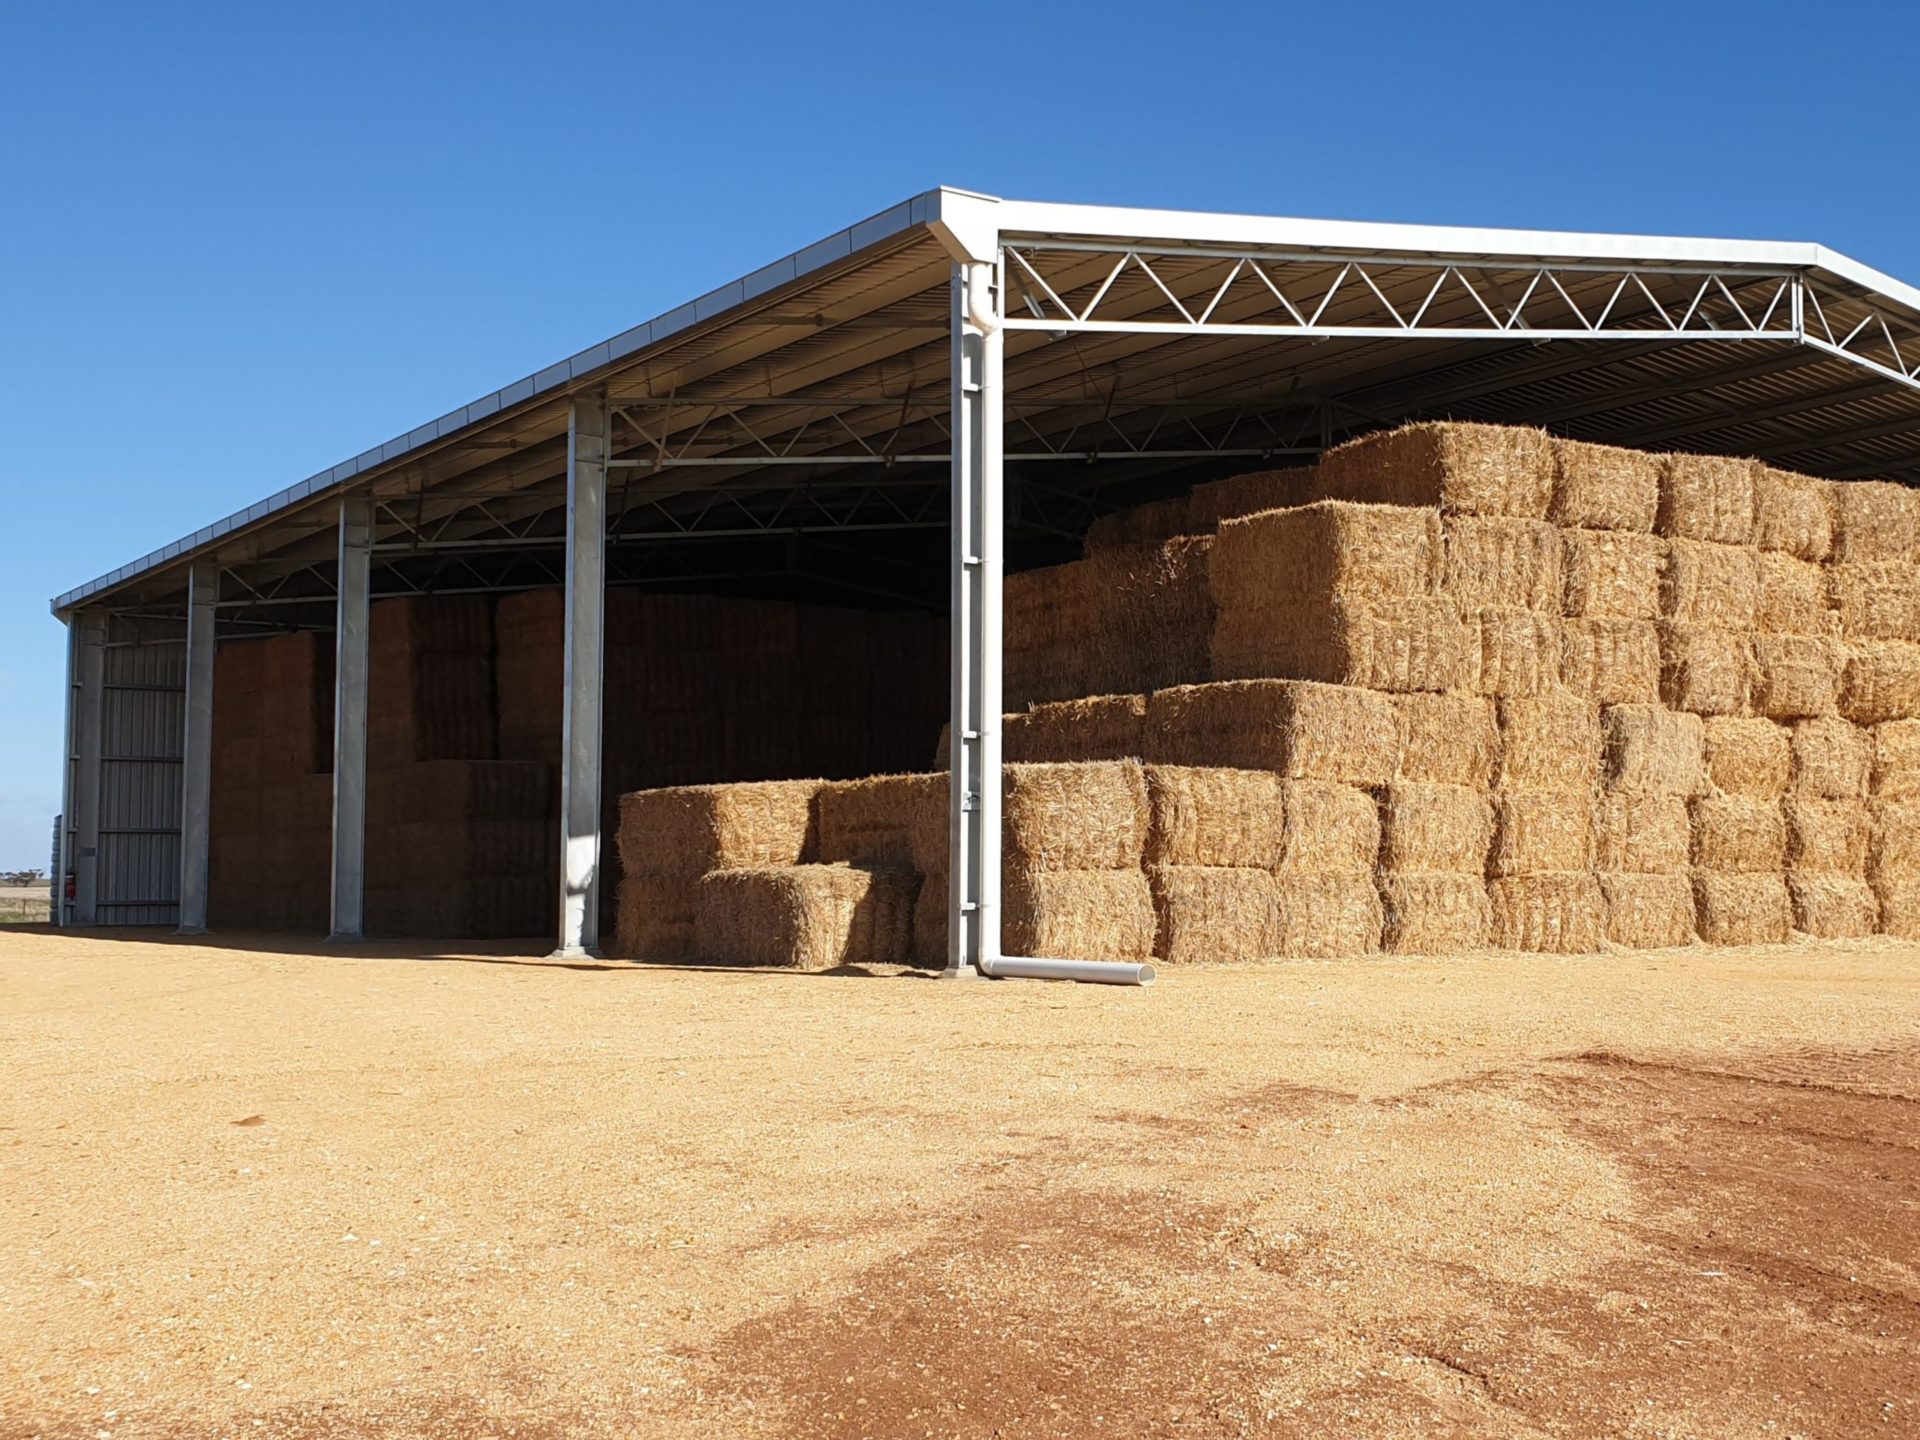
(273, 1192)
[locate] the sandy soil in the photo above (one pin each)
(377, 1192)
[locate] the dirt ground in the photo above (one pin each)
(363, 1191)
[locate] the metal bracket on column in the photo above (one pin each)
(88, 700)
(589, 429)
(353, 600)
(196, 770)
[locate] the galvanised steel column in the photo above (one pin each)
(354, 589)
(973, 904)
(589, 430)
(88, 701)
(196, 769)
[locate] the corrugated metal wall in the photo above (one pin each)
(142, 739)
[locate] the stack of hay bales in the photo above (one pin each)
(430, 680)
(1214, 839)
(1894, 841)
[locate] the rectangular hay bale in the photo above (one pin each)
(1648, 912)
(1876, 599)
(1416, 643)
(1705, 669)
(1518, 652)
(1708, 584)
(1079, 817)
(1604, 487)
(1881, 682)
(1831, 757)
(1828, 837)
(872, 821)
(1540, 831)
(1331, 829)
(1893, 852)
(1489, 561)
(1733, 835)
(1459, 468)
(1549, 741)
(1077, 914)
(1706, 497)
(1832, 907)
(1742, 909)
(1434, 829)
(1606, 575)
(1096, 727)
(1610, 662)
(1791, 596)
(1796, 677)
(1221, 500)
(1899, 902)
(1654, 749)
(1300, 729)
(1549, 914)
(1214, 817)
(1792, 513)
(1896, 760)
(1433, 914)
(1446, 739)
(1748, 756)
(1213, 914)
(1873, 520)
(1326, 916)
(806, 917)
(1636, 833)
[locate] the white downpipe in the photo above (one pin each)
(1094, 972)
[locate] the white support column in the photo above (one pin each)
(350, 720)
(196, 769)
(88, 700)
(973, 906)
(588, 432)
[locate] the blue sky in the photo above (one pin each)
(239, 243)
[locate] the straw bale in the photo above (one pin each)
(1446, 739)
(1706, 497)
(1881, 682)
(1331, 829)
(1748, 757)
(1636, 833)
(1549, 741)
(1097, 727)
(1896, 760)
(806, 917)
(1077, 914)
(1434, 828)
(1707, 584)
(1539, 831)
(1877, 599)
(1325, 553)
(1491, 561)
(1735, 835)
(1791, 596)
(1433, 914)
(1741, 909)
(1213, 913)
(1831, 757)
(1519, 652)
(873, 821)
(1873, 520)
(1832, 907)
(653, 918)
(1828, 837)
(1706, 669)
(1157, 626)
(1796, 676)
(690, 829)
(1550, 914)
(1416, 643)
(1899, 902)
(930, 920)
(1604, 487)
(1148, 524)
(1237, 495)
(1893, 847)
(1648, 912)
(1461, 469)
(1791, 513)
(1300, 729)
(1212, 818)
(1610, 662)
(1326, 916)
(1652, 749)
(1608, 575)
(1090, 816)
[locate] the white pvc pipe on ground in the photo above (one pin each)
(1097, 972)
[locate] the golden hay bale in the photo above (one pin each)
(1748, 756)
(1873, 520)
(1416, 643)
(1831, 757)
(1877, 599)
(1735, 835)
(1791, 513)
(687, 830)
(1549, 741)
(1212, 817)
(1653, 749)
(1491, 561)
(1300, 729)
(1331, 829)
(1550, 914)
(1213, 913)
(1540, 831)
(1326, 916)
(1090, 816)
(1881, 682)
(653, 917)
(1791, 596)
(1641, 834)
(1796, 676)
(1607, 575)
(1899, 902)
(1519, 652)
(1610, 662)
(806, 917)
(1434, 828)
(1315, 556)
(1433, 914)
(1461, 469)
(1077, 914)
(1446, 739)
(1097, 727)
(1648, 912)
(1896, 760)
(1708, 584)
(1705, 669)
(873, 821)
(930, 920)
(1149, 524)
(1706, 497)
(1828, 837)
(1741, 909)
(1893, 849)
(1604, 487)
(1831, 907)
(1237, 495)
